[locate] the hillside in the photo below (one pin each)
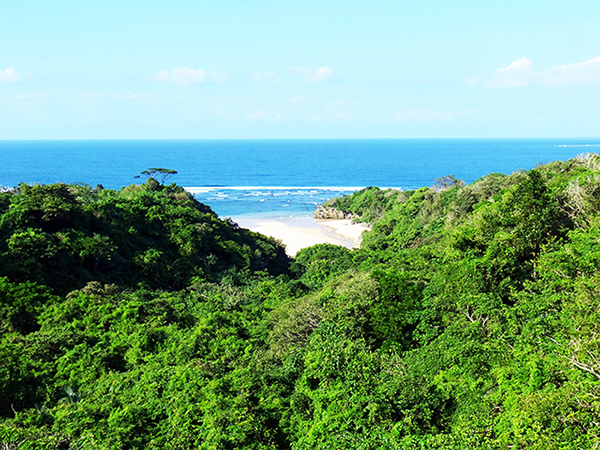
(467, 319)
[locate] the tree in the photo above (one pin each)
(446, 182)
(155, 172)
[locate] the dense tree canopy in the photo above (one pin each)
(157, 236)
(467, 319)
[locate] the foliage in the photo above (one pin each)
(155, 172)
(467, 319)
(314, 265)
(64, 236)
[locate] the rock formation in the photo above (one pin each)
(332, 213)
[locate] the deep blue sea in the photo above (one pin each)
(278, 177)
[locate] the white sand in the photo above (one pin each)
(297, 234)
(346, 228)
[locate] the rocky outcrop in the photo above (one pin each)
(332, 213)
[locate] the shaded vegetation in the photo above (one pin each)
(467, 319)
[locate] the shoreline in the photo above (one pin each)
(299, 233)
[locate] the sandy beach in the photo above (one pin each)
(297, 234)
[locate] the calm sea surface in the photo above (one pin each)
(278, 177)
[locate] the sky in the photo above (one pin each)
(183, 69)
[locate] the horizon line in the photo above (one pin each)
(299, 139)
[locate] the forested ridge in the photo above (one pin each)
(469, 318)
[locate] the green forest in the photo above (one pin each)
(469, 318)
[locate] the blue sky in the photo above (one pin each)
(299, 69)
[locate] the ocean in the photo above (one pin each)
(278, 178)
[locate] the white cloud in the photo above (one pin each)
(425, 114)
(297, 99)
(312, 75)
(188, 76)
(263, 114)
(344, 115)
(9, 75)
(258, 115)
(587, 72)
(134, 96)
(215, 77)
(340, 109)
(341, 103)
(259, 76)
(35, 96)
(93, 94)
(270, 77)
(520, 73)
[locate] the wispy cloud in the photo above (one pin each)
(93, 94)
(135, 96)
(188, 76)
(9, 75)
(262, 114)
(258, 115)
(520, 73)
(33, 96)
(587, 72)
(344, 115)
(427, 114)
(297, 99)
(341, 103)
(270, 77)
(517, 74)
(312, 75)
(340, 109)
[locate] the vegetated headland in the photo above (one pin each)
(468, 318)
